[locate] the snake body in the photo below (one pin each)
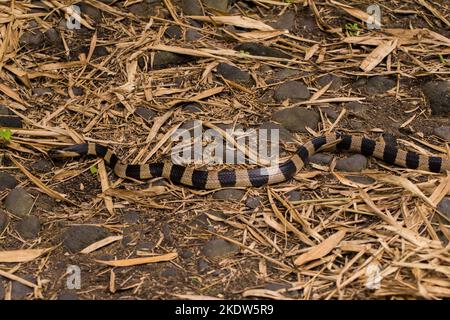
(213, 179)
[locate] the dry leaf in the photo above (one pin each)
(23, 255)
(138, 261)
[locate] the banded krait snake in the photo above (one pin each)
(212, 179)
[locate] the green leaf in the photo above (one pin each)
(93, 169)
(5, 134)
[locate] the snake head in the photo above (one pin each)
(76, 150)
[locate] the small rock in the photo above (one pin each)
(5, 111)
(321, 158)
(283, 134)
(390, 139)
(232, 73)
(443, 132)
(186, 254)
(294, 195)
(326, 79)
(354, 163)
(192, 108)
(100, 51)
(257, 49)
(438, 96)
(68, 295)
(7, 181)
(444, 207)
(19, 291)
(42, 166)
(357, 109)
(202, 265)
(193, 35)
(379, 84)
(253, 202)
(284, 74)
(45, 202)
(53, 37)
(29, 227)
(229, 194)
(42, 91)
(19, 202)
(220, 5)
(77, 91)
(292, 90)
(297, 118)
(167, 233)
(169, 272)
(285, 22)
(76, 238)
(332, 115)
(361, 179)
(131, 217)
(3, 221)
(144, 113)
(165, 59)
(10, 121)
(32, 39)
(146, 245)
(174, 32)
(219, 248)
(191, 7)
(94, 13)
(200, 220)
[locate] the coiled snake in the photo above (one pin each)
(212, 179)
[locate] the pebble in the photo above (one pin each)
(444, 207)
(293, 90)
(220, 5)
(91, 11)
(42, 166)
(321, 158)
(229, 194)
(294, 195)
(257, 49)
(76, 238)
(5, 111)
(165, 59)
(232, 73)
(379, 84)
(131, 217)
(354, 163)
(202, 265)
(186, 254)
(68, 295)
(438, 96)
(201, 220)
(442, 132)
(357, 108)
(174, 32)
(219, 248)
(253, 202)
(7, 181)
(297, 119)
(192, 108)
(29, 227)
(285, 22)
(42, 91)
(284, 74)
(3, 221)
(45, 202)
(19, 202)
(361, 179)
(283, 134)
(32, 39)
(193, 35)
(169, 272)
(326, 79)
(191, 7)
(145, 113)
(10, 121)
(19, 291)
(390, 139)
(167, 233)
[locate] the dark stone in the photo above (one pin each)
(144, 113)
(5, 111)
(354, 163)
(257, 49)
(174, 32)
(53, 37)
(321, 158)
(253, 202)
(191, 7)
(202, 266)
(442, 132)
(361, 179)
(76, 238)
(100, 51)
(331, 114)
(326, 79)
(232, 73)
(379, 84)
(229, 194)
(165, 59)
(390, 139)
(45, 202)
(297, 119)
(285, 22)
(294, 195)
(94, 13)
(32, 39)
(7, 181)
(77, 91)
(10, 122)
(444, 207)
(192, 108)
(438, 96)
(284, 74)
(131, 217)
(220, 5)
(3, 221)
(68, 295)
(29, 227)
(193, 35)
(219, 248)
(19, 291)
(42, 91)
(292, 90)
(42, 166)
(169, 272)
(19, 202)
(167, 233)
(283, 134)
(357, 109)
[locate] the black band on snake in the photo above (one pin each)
(213, 179)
